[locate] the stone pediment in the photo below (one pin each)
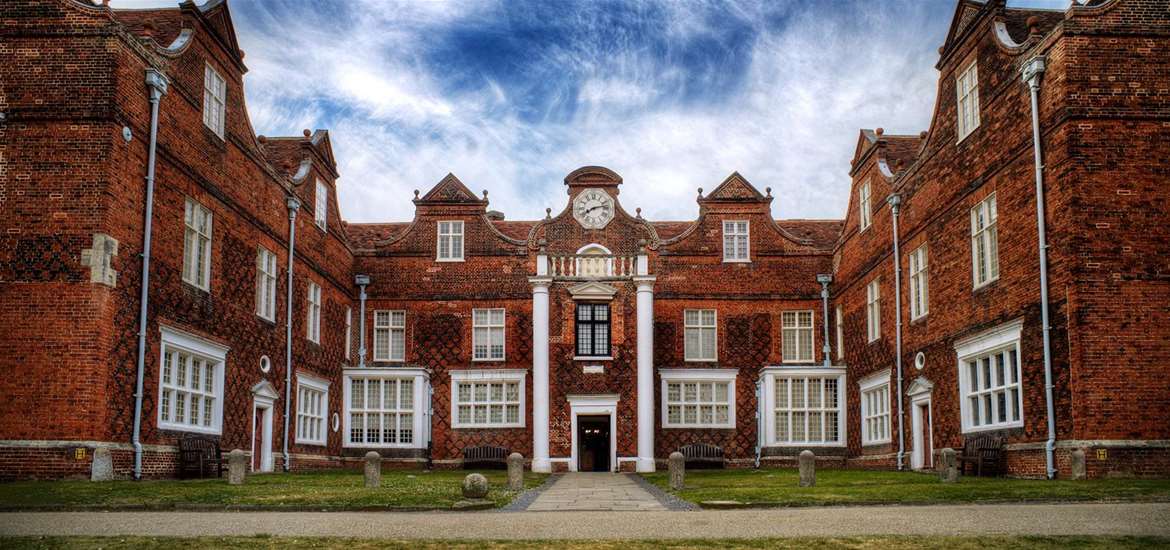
(919, 386)
(265, 389)
(450, 190)
(735, 188)
(592, 290)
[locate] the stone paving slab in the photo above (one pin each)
(577, 491)
(1137, 519)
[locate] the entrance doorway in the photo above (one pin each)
(263, 398)
(922, 456)
(593, 441)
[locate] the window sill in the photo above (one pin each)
(995, 427)
(449, 260)
(487, 427)
(266, 320)
(964, 137)
(392, 362)
(700, 360)
(491, 360)
(311, 443)
(733, 261)
(877, 443)
(801, 444)
(697, 427)
(979, 288)
(380, 446)
(809, 362)
(919, 319)
(189, 429)
(593, 358)
(193, 286)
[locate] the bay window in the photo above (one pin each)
(190, 383)
(805, 406)
(990, 391)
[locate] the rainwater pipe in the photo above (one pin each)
(1033, 71)
(362, 281)
(895, 201)
(158, 88)
(294, 204)
(826, 350)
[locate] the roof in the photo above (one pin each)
(670, 230)
(514, 229)
(821, 233)
(901, 151)
(166, 23)
(368, 235)
(284, 153)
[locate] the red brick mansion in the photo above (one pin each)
(166, 273)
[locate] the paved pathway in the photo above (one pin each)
(1023, 519)
(595, 491)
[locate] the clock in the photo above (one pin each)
(593, 208)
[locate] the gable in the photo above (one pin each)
(450, 190)
(735, 187)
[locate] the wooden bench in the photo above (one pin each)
(702, 455)
(984, 453)
(485, 456)
(199, 457)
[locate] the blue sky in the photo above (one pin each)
(511, 96)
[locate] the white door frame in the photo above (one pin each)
(263, 398)
(918, 458)
(594, 405)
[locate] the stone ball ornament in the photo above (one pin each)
(475, 486)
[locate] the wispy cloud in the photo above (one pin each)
(513, 96)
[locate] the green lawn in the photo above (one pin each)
(866, 543)
(779, 488)
(329, 489)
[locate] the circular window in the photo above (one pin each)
(336, 422)
(920, 360)
(265, 364)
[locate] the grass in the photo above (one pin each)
(859, 543)
(336, 489)
(835, 487)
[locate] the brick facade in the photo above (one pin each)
(72, 188)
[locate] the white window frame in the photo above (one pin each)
(321, 205)
(418, 409)
(266, 272)
(919, 261)
(799, 353)
(874, 392)
(315, 413)
(488, 376)
(840, 319)
(447, 252)
(772, 374)
(864, 206)
(387, 330)
(214, 100)
(175, 341)
(698, 376)
(985, 242)
(491, 329)
(348, 332)
(197, 245)
(999, 341)
(733, 235)
(873, 310)
(967, 100)
(701, 327)
(313, 305)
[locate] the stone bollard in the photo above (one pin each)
(102, 468)
(1076, 458)
(808, 468)
(373, 470)
(237, 466)
(515, 472)
(948, 466)
(678, 470)
(475, 487)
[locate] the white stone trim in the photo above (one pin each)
(599, 404)
(869, 383)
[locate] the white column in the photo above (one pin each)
(540, 462)
(645, 373)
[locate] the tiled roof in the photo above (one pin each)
(167, 22)
(514, 229)
(284, 153)
(367, 235)
(822, 233)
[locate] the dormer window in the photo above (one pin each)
(735, 241)
(967, 90)
(864, 206)
(450, 243)
(321, 205)
(214, 100)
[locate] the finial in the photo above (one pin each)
(262, 138)
(543, 245)
(241, 54)
(768, 190)
(1033, 23)
(416, 194)
(485, 195)
(700, 192)
(642, 245)
(922, 135)
(148, 29)
(548, 213)
(306, 132)
(941, 49)
(639, 211)
(880, 131)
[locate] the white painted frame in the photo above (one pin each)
(867, 384)
(593, 405)
(321, 385)
(988, 208)
(321, 205)
(714, 326)
(488, 375)
(503, 328)
(735, 234)
(967, 95)
(450, 250)
(313, 312)
(727, 376)
(263, 401)
(214, 100)
(173, 338)
(266, 272)
(919, 267)
(389, 328)
(921, 453)
(1002, 337)
(421, 407)
(873, 310)
(811, 328)
(769, 375)
(194, 207)
(864, 208)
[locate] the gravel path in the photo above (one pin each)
(1017, 519)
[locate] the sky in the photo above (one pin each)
(511, 96)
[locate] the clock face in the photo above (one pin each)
(593, 208)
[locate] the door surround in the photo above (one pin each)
(263, 399)
(922, 450)
(593, 405)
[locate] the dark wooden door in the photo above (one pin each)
(593, 438)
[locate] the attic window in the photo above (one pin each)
(214, 100)
(321, 206)
(450, 241)
(967, 89)
(735, 241)
(864, 206)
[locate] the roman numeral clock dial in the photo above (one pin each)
(593, 208)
